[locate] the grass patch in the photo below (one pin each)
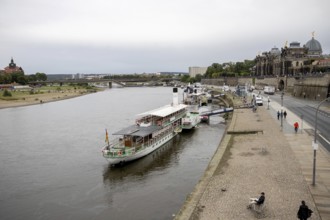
(8, 98)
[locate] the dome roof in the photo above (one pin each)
(275, 51)
(314, 46)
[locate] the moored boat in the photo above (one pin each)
(151, 130)
(192, 118)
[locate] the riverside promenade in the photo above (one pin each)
(258, 155)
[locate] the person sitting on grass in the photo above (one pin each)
(257, 201)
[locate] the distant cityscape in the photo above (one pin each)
(292, 59)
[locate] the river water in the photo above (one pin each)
(51, 166)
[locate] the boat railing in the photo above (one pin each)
(117, 143)
(180, 115)
(118, 152)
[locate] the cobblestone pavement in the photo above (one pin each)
(260, 156)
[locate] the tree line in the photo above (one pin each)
(216, 70)
(230, 69)
(20, 78)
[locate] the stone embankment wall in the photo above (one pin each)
(309, 87)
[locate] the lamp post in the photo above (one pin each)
(282, 110)
(315, 146)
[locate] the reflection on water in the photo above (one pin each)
(163, 179)
(162, 158)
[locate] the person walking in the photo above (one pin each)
(296, 126)
(285, 114)
(304, 212)
(278, 115)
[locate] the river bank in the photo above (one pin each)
(255, 156)
(26, 98)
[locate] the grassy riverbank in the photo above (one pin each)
(15, 98)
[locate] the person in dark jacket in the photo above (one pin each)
(304, 212)
(257, 201)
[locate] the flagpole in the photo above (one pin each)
(107, 137)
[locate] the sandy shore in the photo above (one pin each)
(40, 99)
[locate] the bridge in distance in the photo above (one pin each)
(121, 82)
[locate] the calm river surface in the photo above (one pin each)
(51, 166)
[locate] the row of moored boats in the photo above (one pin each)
(151, 130)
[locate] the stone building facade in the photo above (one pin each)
(309, 87)
(302, 71)
(292, 60)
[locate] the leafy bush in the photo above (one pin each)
(6, 93)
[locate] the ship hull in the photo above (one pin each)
(149, 149)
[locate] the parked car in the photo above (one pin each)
(259, 100)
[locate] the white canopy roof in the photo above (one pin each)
(164, 111)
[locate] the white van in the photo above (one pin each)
(270, 90)
(259, 100)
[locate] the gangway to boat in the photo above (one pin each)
(216, 112)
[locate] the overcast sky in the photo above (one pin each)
(136, 36)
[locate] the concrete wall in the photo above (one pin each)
(309, 87)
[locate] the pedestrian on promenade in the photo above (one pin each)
(278, 115)
(285, 114)
(296, 126)
(257, 201)
(304, 212)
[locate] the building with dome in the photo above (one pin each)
(314, 48)
(12, 68)
(291, 60)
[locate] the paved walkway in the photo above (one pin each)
(301, 144)
(274, 160)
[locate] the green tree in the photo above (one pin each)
(192, 80)
(214, 68)
(41, 76)
(230, 69)
(185, 78)
(32, 78)
(239, 67)
(198, 78)
(19, 77)
(215, 75)
(5, 78)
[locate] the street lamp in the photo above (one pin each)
(315, 146)
(282, 110)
